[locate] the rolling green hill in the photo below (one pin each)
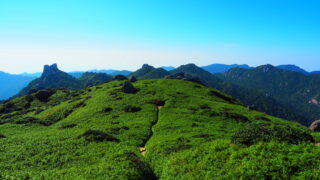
(165, 129)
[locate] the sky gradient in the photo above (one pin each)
(124, 34)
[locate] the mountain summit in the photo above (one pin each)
(50, 69)
(150, 72)
(52, 77)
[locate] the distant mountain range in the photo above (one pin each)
(12, 84)
(296, 69)
(285, 91)
(221, 68)
(78, 74)
(37, 74)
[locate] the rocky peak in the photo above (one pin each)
(147, 66)
(50, 69)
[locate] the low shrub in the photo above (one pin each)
(32, 120)
(117, 129)
(265, 132)
(43, 95)
(38, 111)
(132, 109)
(79, 104)
(221, 160)
(222, 96)
(59, 115)
(202, 136)
(27, 106)
(107, 109)
(2, 136)
(7, 108)
(98, 136)
(263, 118)
(235, 116)
(29, 98)
(159, 102)
(27, 120)
(204, 106)
(68, 126)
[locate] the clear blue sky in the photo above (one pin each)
(124, 34)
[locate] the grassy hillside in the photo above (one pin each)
(168, 129)
(249, 96)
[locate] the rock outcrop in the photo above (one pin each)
(315, 126)
(132, 79)
(50, 69)
(127, 87)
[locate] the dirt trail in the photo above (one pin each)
(142, 149)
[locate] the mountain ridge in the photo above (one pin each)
(221, 68)
(292, 88)
(54, 78)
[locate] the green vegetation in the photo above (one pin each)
(247, 94)
(294, 90)
(266, 132)
(169, 129)
(92, 79)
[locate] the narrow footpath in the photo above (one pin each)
(143, 149)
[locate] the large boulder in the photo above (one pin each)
(132, 79)
(315, 126)
(127, 87)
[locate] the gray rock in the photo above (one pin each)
(127, 87)
(50, 69)
(132, 79)
(315, 126)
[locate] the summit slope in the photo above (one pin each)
(98, 132)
